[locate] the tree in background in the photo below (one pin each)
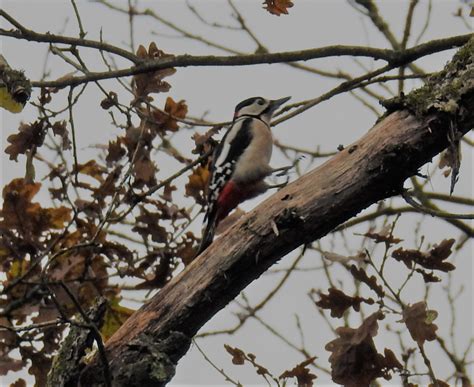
(123, 217)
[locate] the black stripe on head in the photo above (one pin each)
(246, 102)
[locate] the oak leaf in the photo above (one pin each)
(419, 321)
(385, 235)
(109, 101)
(115, 152)
(354, 358)
(60, 129)
(433, 259)
(165, 121)
(301, 373)
(151, 82)
(9, 364)
(204, 142)
(278, 7)
(29, 137)
(147, 225)
(30, 219)
(361, 275)
(338, 302)
(92, 169)
(197, 184)
(238, 356)
(19, 383)
(144, 172)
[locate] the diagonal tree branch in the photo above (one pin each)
(145, 350)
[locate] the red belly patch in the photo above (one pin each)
(229, 198)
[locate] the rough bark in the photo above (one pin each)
(145, 350)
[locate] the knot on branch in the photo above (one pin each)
(146, 362)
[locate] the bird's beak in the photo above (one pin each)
(276, 103)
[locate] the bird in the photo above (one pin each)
(15, 88)
(240, 162)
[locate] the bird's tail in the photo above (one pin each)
(209, 231)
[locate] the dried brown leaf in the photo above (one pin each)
(418, 320)
(28, 218)
(238, 356)
(152, 82)
(144, 171)
(109, 101)
(433, 259)
(371, 282)
(18, 383)
(338, 302)
(115, 152)
(204, 142)
(278, 7)
(147, 225)
(92, 169)
(197, 184)
(385, 235)
(108, 187)
(29, 137)
(166, 121)
(302, 374)
(8, 364)
(60, 129)
(354, 358)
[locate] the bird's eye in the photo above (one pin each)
(260, 101)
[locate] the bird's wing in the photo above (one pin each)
(233, 144)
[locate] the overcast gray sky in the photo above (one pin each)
(216, 91)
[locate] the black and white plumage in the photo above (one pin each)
(240, 162)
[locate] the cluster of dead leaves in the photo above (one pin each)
(278, 7)
(28, 229)
(301, 371)
(166, 121)
(27, 219)
(31, 136)
(354, 358)
(84, 255)
(433, 259)
(151, 82)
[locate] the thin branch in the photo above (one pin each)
(82, 34)
(220, 370)
(440, 214)
(95, 332)
(32, 36)
(394, 59)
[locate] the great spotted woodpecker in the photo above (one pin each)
(240, 162)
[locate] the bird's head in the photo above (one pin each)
(259, 107)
